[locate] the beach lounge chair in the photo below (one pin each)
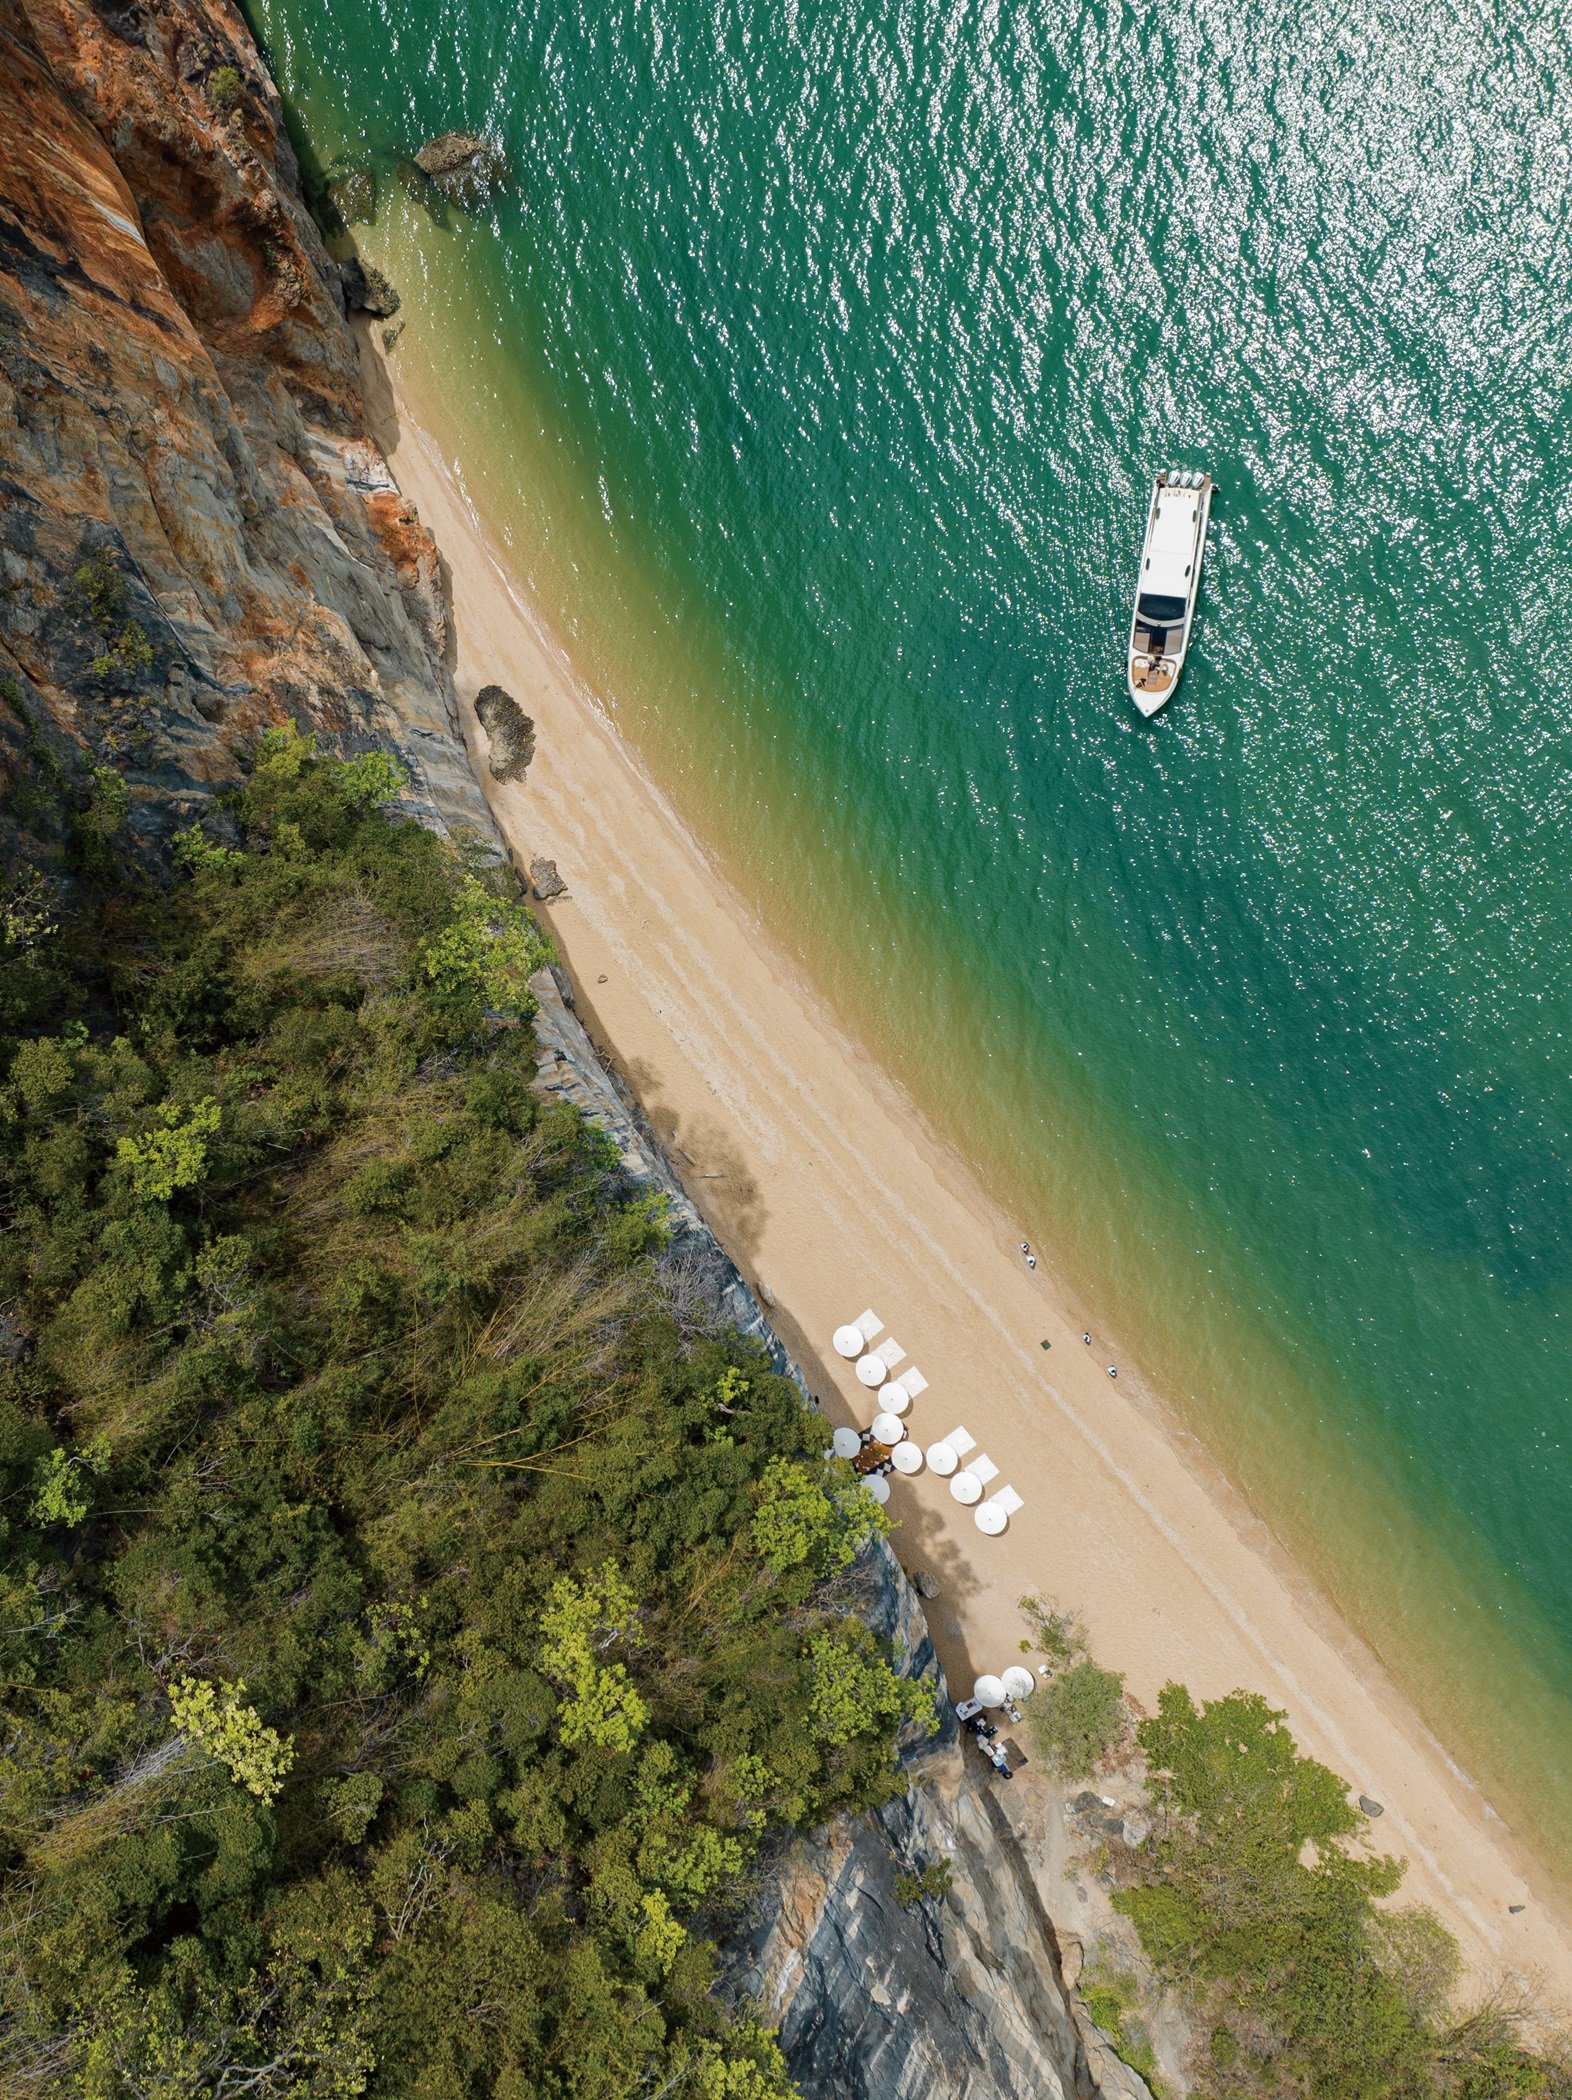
(946, 1455)
(974, 1476)
(868, 1324)
(913, 1381)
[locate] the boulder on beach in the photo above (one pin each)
(466, 166)
(545, 881)
(1371, 1808)
(924, 1583)
(366, 290)
(509, 731)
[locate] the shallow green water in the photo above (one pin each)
(820, 356)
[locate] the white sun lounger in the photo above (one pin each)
(868, 1324)
(913, 1381)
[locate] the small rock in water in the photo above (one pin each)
(366, 290)
(466, 166)
(353, 195)
(509, 731)
(545, 880)
(1371, 1808)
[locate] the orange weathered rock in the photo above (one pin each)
(180, 402)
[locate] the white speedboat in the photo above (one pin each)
(1170, 578)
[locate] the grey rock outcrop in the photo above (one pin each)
(509, 732)
(366, 290)
(466, 166)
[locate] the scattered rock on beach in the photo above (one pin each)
(509, 730)
(1371, 1808)
(366, 290)
(466, 166)
(925, 1584)
(545, 881)
(1135, 1830)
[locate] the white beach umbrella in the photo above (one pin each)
(906, 1458)
(872, 1369)
(942, 1459)
(894, 1397)
(849, 1341)
(1019, 1681)
(990, 1519)
(888, 1429)
(988, 1691)
(878, 1487)
(846, 1443)
(966, 1487)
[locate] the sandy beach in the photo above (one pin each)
(832, 1194)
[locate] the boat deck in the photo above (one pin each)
(1154, 678)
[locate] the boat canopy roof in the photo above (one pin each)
(1160, 611)
(1170, 552)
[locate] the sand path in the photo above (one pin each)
(826, 1185)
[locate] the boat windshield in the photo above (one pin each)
(1160, 612)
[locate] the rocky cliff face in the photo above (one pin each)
(197, 535)
(198, 538)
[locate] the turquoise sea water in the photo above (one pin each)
(819, 357)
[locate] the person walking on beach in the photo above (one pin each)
(1086, 1338)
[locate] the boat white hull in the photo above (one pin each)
(1165, 595)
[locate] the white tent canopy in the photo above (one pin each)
(988, 1691)
(1019, 1682)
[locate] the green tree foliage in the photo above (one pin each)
(1255, 1901)
(1077, 1718)
(172, 1153)
(580, 1622)
(488, 947)
(805, 1522)
(407, 1702)
(255, 1756)
(61, 1494)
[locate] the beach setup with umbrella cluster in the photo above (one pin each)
(989, 1694)
(886, 1447)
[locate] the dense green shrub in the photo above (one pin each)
(1078, 1718)
(1256, 1903)
(411, 1633)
